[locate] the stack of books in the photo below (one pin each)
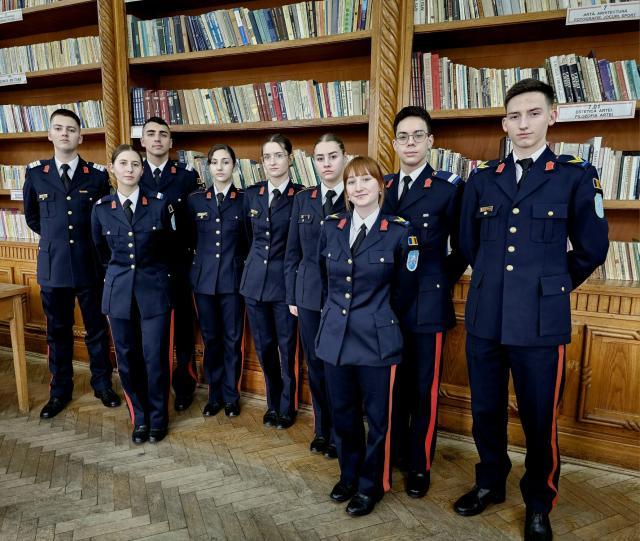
(286, 100)
(50, 55)
(623, 262)
(30, 118)
(240, 26)
(454, 162)
(8, 5)
(12, 177)
(13, 225)
(437, 83)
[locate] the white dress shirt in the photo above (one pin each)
(533, 156)
(73, 165)
(356, 223)
(414, 175)
(133, 198)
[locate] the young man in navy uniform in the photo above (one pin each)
(517, 216)
(58, 196)
(430, 200)
(175, 181)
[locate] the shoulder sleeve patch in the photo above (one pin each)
(34, 164)
(98, 167)
(486, 165)
(573, 160)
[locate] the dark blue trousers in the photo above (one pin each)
(274, 333)
(221, 319)
(538, 379)
(415, 406)
(309, 322)
(367, 464)
(58, 304)
(142, 352)
(185, 374)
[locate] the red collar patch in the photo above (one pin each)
(85, 170)
(500, 168)
(314, 194)
(550, 166)
(261, 192)
(342, 223)
(389, 183)
(208, 195)
(384, 224)
(232, 195)
(46, 168)
(428, 182)
(144, 201)
(290, 192)
(113, 204)
(173, 170)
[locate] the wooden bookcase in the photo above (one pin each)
(600, 413)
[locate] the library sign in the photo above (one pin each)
(10, 16)
(13, 79)
(625, 11)
(606, 110)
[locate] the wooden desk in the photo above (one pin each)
(11, 296)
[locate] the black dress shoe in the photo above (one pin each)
(182, 402)
(417, 484)
(232, 409)
(211, 409)
(109, 397)
(285, 421)
(476, 500)
(331, 451)
(270, 418)
(53, 407)
(140, 434)
(342, 492)
(157, 434)
(318, 445)
(361, 504)
(537, 527)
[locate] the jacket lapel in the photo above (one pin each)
(141, 209)
(416, 191)
(539, 174)
(506, 179)
(79, 175)
(372, 237)
(52, 176)
(284, 199)
(118, 212)
(391, 193)
(228, 201)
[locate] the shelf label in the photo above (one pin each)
(606, 110)
(16, 195)
(13, 79)
(10, 16)
(136, 132)
(625, 11)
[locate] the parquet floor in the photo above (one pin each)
(79, 477)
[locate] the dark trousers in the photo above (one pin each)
(185, 374)
(274, 330)
(365, 464)
(538, 379)
(309, 322)
(58, 304)
(415, 411)
(142, 352)
(221, 319)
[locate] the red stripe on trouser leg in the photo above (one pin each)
(171, 350)
(242, 347)
(386, 476)
(433, 419)
(554, 422)
(126, 396)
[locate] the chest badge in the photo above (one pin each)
(485, 210)
(412, 260)
(202, 215)
(253, 213)
(43, 196)
(413, 240)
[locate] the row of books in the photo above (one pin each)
(8, 5)
(438, 11)
(240, 26)
(13, 225)
(286, 100)
(12, 176)
(622, 263)
(50, 55)
(438, 83)
(30, 118)
(448, 160)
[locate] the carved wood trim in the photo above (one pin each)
(15, 251)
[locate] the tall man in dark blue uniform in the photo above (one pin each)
(58, 196)
(175, 181)
(430, 200)
(517, 216)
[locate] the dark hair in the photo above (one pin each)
(281, 140)
(412, 110)
(363, 165)
(67, 113)
(221, 146)
(123, 148)
(330, 138)
(157, 120)
(529, 85)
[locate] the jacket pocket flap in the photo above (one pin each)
(380, 256)
(559, 284)
(385, 319)
(552, 211)
(476, 279)
(432, 283)
(487, 211)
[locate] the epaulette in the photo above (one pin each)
(182, 165)
(256, 185)
(486, 165)
(399, 220)
(451, 178)
(34, 164)
(573, 160)
(97, 166)
(105, 199)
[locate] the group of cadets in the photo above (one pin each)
(361, 267)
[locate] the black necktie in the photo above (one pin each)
(65, 176)
(406, 180)
(328, 203)
(274, 201)
(156, 175)
(127, 209)
(526, 164)
(220, 198)
(361, 235)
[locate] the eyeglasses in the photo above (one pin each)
(278, 156)
(418, 136)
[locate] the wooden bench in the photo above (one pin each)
(11, 298)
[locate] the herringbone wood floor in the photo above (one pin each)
(79, 477)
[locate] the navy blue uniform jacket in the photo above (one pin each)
(220, 240)
(358, 325)
(66, 255)
(301, 266)
(516, 241)
(263, 276)
(432, 205)
(135, 254)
